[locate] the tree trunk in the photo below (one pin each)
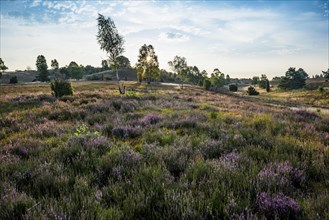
(122, 89)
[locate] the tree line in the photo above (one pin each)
(147, 66)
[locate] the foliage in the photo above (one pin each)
(217, 79)
(268, 89)
(185, 73)
(54, 64)
(293, 79)
(90, 69)
(255, 80)
(75, 71)
(252, 91)
(326, 74)
(206, 84)
(2, 67)
(65, 72)
(263, 81)
(13, 80)
(173, 154)
(168, 76)
(123, 62)
(42, 68)
(95, 77)
(179, 65)
(233, 88)
(277, 206)
(147, 63)
(61, 87)
(105, 65)
(109, 39)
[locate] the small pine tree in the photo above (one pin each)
(42, 68)
(61, 87)
(252, 91)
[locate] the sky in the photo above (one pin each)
(240, 38)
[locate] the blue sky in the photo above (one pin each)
(241, 38)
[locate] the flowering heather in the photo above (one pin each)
(324, 137)
(214, 156)
(281, 174)
(126, 132)
(230, 160)
(120, 165)
(277, 205)
(151, 119)
(88, 142)
(303, 115)
(46, 129)
(211, 149)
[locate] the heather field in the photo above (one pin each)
(158, 152)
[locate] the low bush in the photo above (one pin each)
(233, 88)
(61, 88)
(252, 91)
(13, 80)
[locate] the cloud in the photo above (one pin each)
(18, 14)
(35, 3)
(190, 29)
(173, 37)
(206, 33)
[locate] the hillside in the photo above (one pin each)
(158, 153)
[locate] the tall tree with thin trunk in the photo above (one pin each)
(179, 65)
(147, 63)
(111, 42)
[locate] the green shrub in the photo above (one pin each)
(61, 88)
(321, 89)
(233, 88)
(213, 115)
(252, 91)
(13, 80)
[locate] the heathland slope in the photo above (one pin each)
(163, 153)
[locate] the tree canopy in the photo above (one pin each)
(2, 67)
(147, 63)
(179, 65)
(109, 39)
(54, 64)
(42, 68)
(263, 81)
(326, 74)
(105, 65)
(75, 71)
(123, 62)
(293, 79)
(217, 78)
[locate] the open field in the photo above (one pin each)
(163, 153)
